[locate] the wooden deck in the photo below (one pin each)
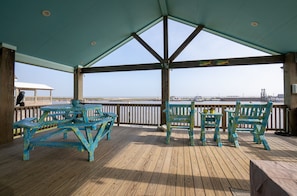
(136, 161)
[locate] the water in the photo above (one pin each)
(144, 101)
(159, 102)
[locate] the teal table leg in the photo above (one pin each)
(203, 139)
(202, 134)
(217, 136)
(89, 142)
(191, 135)
(91, 156)
(235, 140)
(28, 134)
(109, 125)
(65, 136)
(234, 136)
(265, 143)
(229, 127)
(85, 142)
(26, 150)
(168, 134)
(108, 136)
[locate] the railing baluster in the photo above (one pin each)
(150, 114)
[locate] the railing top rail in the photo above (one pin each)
(148, 104)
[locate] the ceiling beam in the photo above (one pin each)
(190, 64)
(134, 67)
(163, 7)
(186, 42)
(22, 58)
(150, 49)
(229, 62)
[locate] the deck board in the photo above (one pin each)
(136, 161)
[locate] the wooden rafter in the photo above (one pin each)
(150, 49)
(186, 42)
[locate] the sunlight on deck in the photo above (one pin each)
(136, 161)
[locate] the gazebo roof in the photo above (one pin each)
(31, 86)
(65, 34)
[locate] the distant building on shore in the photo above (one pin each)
(32, 90)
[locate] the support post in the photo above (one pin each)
(78, 84)
(165, 93)
(165, 72)
(290, 77)
(7, 59)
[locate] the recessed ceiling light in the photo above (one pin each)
(93, 43)
(254, 23)
(46, 13)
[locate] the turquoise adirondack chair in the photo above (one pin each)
(180, 116)
(249, 117)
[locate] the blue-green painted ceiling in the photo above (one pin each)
(66, 38)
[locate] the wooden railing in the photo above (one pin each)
(38, 100)
(150, 114)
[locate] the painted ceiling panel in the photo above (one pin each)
(81, 32)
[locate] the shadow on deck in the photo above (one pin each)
(136, 161)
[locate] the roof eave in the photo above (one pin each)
(22, 58)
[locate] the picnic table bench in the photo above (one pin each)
(76, 118)
(180, 116)
(249, 117)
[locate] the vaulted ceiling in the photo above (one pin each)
(64, 34)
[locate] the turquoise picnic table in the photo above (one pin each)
(210, 120)
(86, 121)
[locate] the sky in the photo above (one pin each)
(206, 82)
